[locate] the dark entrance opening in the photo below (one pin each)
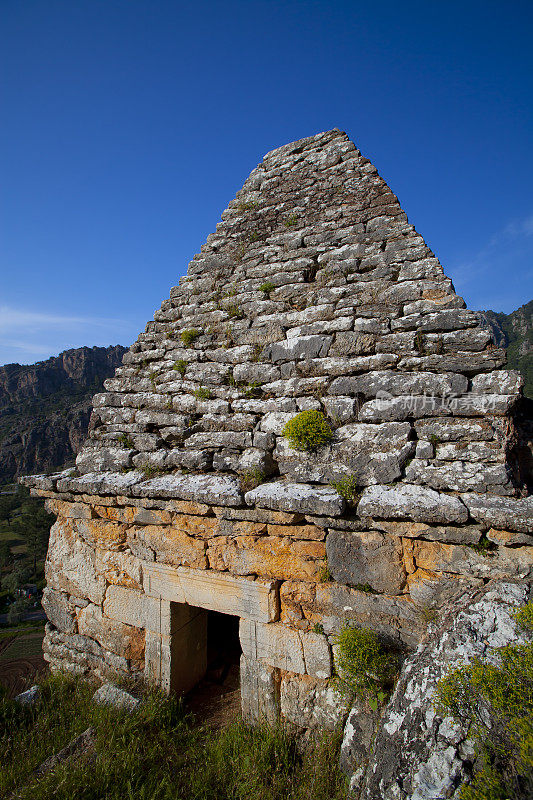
(216, 698)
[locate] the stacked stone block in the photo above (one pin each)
(314, 293)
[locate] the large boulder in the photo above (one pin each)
(417, 754)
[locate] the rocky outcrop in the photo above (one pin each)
(514, 331)
(412, 753)
(45, 408)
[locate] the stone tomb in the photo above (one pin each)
(315, 293)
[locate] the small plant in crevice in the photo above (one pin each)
(234, 311)
(153, 379)
(348, 488)
(252, 389)
(247, 206)
(318, 628)
(364, 665)
(267, 288)
(324, 575)
(256, 353)
(203, 393)
(251, 479)
(151, 471)
(126, 441)
(419, 343)
(308, 431)
(291, 221)
(434, 439)
(484, 547)
(180, 366)
(254, 236)
(189, 336)
(365, 587)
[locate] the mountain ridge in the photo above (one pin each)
(45, 408)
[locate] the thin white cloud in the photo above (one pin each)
(13, 318)
(27, 335)
(501, 266)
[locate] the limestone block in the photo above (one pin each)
(259, 692)
(59, 611)
(123, 640)
(304, 347)
(366, 558)
(285, 648)
(101, 482)
(69, 510)
(400, 408)
(70, 564)
(367, 453)
(501, 563)
(171, 545)
(256, 600)
(104, 534)
(224, 491)
(297, 531)
(103, 459)
(120, 569)
(501, 512)
(499, 382)
(447, 320)
(135, 608)
(397, 619)
(334, 366)
(275, 421)
(268, 556)
(461, 476)
(308, 703)
(444, 429)
(508, 538)
(397, 384)
(451, 534)
(111, 695)
(157, 661)
(414, 502)
(285, 496)
(341, 409)
(481, 452)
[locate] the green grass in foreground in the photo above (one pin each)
(155, 754)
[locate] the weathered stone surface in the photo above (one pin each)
(256, 600)
(289, 650)
(413, 502)
(366, 453)
(110, 695)
(461, 476)
(366, 558)
(59, 611)
(394, 383)
(505, 562)
(171, 545)
(124, 640)
(417, 754)
(267, 556)
(501, 512)
(200, 488)
(70, 564)
(259, 692)
(137, 609)
(300, 497)
(29, 697)
(308, 703)
(451, 534)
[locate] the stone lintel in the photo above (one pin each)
(255, 600)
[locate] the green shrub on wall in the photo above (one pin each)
(308, 430)
(494, 701)
(364, 665)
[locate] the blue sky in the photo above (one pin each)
(128, 125)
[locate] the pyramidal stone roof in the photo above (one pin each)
(314, 293)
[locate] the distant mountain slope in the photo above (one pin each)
(515, 331)
(45, 408)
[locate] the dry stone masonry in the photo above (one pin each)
(314, 293)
